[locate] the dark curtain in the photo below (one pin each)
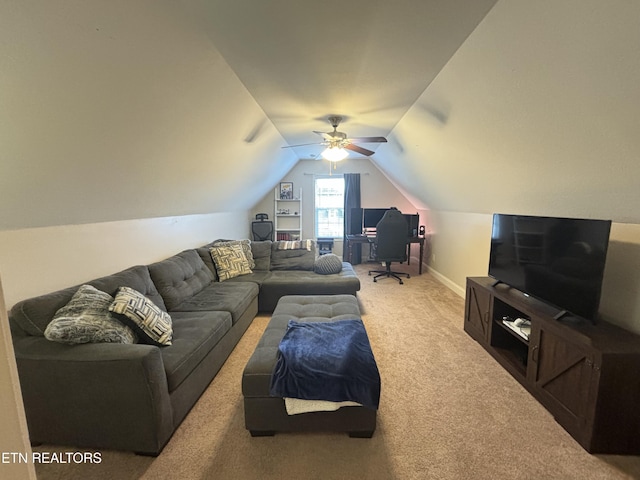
(351, 200)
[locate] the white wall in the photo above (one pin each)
(375, 189)
(39, 260)
(461, 243)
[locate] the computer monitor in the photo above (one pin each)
(371, 217)
(355, 224)
(413, 222)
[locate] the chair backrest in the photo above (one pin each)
(391, 237)
(262, 231)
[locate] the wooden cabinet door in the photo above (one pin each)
(563, 376)
(477, 312)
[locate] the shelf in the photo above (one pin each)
(514, 359)
(512, 331)
(287, 214)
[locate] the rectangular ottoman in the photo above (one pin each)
(265, 415)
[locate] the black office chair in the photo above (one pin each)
(262, 229)
(391, 243)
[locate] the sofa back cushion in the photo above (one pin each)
(205, 255)
(293, 259)
(180, 277)
(32, 316)
(261, 255)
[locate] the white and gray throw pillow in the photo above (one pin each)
(230, 261)
(86, 319)
(246, 248)
(152, 324)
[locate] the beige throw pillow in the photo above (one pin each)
(246, 248)
(230, 261)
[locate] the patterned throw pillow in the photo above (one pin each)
(246, 248)
(86, 319)
(328, 264)
(152, 324)
(230, 261)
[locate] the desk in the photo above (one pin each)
(354, 239)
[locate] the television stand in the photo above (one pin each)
(585, 375)
(560, 314)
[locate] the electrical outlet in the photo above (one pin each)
(433, 257)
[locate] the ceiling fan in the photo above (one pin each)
(337, 142)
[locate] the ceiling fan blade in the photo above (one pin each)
(325, 135)
(360, 150)
(368, 139)
(303, 144)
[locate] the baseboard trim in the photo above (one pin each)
(446, 281)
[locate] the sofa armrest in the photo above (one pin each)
(103, 395)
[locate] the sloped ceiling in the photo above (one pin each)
(123, 110)
(365, 60)
(536, 113)
(120, 110)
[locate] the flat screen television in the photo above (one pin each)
(557, 260)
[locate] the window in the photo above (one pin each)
(329, 207)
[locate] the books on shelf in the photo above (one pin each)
(523, 330)
(287, 236)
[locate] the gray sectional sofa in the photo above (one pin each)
(133, 396)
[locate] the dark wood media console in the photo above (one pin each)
(587, 376)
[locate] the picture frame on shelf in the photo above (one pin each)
(286, 190)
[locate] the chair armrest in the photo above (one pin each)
(101, 395)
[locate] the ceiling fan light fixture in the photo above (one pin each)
(334, 154)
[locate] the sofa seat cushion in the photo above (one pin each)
(256, 277)
(195, 334)
(234, 298)
(180, 277)
(297, 282)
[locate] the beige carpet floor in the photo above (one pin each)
(447, 411)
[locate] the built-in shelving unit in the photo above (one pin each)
(288, 216)
(585, 375)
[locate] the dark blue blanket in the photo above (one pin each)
(327, 361)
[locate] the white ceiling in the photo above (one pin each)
(126, 110)
(365, 60)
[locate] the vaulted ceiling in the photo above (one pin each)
(122, 110)
(365, 60)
